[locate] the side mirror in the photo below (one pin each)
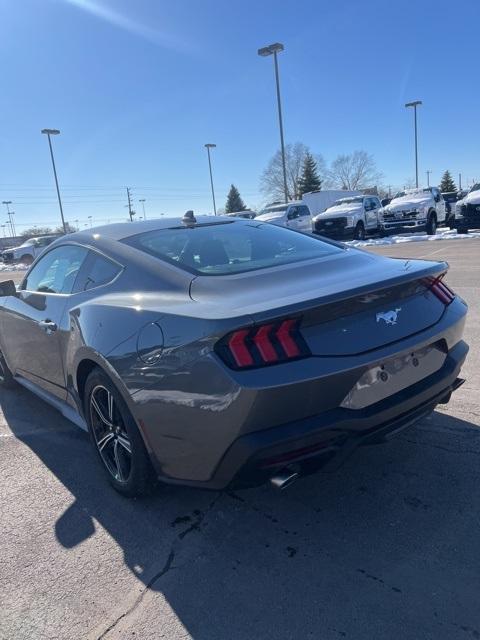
(8, 288)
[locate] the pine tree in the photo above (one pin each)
(234, 201)
(447, 184)
(309, 180)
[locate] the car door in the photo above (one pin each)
(293, 215)
(369, 212)
(376, 205)
(305, 219)
(32, 334)
(439, 205)
(40, 245)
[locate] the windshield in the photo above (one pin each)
(343, 201)
(410, 192)
(229, 247)
(275, 209)
(476, 187)
(28, 243)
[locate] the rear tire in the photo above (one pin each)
(26, 259)
(359, 233)
(432, 224)
(7, 381)
(115, 437)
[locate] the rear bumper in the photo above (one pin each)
(328, 438)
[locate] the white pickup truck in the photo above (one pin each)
(467, 212)
(351, 217)
(28, 251)
(421, 209)
(294, 215)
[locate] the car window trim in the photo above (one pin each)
(91, 252)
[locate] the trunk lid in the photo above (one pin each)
(350, 302)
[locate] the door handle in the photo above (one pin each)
(48, 326)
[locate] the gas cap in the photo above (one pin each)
(150, 343)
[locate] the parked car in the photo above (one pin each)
(27, 251)
(451, 198)
(467, 213)
(294, 215)
(352, 217)
(415, 210)
(217, 352)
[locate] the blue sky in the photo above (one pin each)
(137, 88)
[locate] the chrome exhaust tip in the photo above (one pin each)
(283, 479)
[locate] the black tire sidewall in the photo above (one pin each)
(359, 233)
(142, 478)
(432, 225)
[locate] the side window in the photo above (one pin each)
(367, 203)
(304, 211)
(56, 271)
(96, 271)
(376, 203)
(293, 213)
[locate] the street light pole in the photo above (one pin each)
(415, 104)
(274, 49)
(55, 132)
(209, 146)
(428, 177)
(142, 200)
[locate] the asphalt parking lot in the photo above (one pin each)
(386, 547)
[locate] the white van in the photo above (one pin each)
(294, 215)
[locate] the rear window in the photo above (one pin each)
(231, 247)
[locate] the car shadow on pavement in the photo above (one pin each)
(386, 543)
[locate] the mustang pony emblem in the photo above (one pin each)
(389, 317)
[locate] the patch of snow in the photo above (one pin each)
(442, 234)
(13, 267)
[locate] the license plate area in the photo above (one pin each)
(394, 375)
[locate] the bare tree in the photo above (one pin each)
(409, 183)
(353, 171)
(271, 181)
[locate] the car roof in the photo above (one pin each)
(122, 230)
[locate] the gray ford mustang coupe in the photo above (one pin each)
(218, 352)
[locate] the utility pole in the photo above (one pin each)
(130, 210)
(428, 172)
(459, 181)
(10, 219)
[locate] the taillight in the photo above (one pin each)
(440, 289)
(263, 345)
